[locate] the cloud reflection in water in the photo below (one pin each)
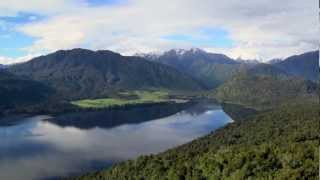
(40, 149)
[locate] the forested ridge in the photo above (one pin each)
(277, 144)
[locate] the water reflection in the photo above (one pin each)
(38, 148)
(113, 118)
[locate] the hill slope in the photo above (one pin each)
(264, 70)
(305, 65)
(15, 91)
(279, 144)
(211, 69)
(265, 91)
(80, 73)
(265, 86)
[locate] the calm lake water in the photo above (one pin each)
(44, 147)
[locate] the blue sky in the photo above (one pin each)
(254, 30)
(205, 37)
(13, 42)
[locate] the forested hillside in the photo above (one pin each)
(266, 86)
(81, 73)
(20, 92)
(278, 144)
(266, 91)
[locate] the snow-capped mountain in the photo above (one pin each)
(149, 56)
(248, 61)
(209, 68)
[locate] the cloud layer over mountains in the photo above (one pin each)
(254, 29)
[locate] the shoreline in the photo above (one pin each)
(69, 108)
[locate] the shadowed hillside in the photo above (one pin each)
(305, 65)
(19, 92)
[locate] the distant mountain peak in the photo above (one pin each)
(181, 52)
(108, 52)
(171, 52)
(151, 55)
(208, 68)
(82, 51)
(248, 61)
(75, 50)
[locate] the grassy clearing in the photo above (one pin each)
(136, 97)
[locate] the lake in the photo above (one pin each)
(45, 147)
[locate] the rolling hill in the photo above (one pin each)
(305, 65)
(81, 73)
(265, 86)
(264, 70)
(209, 68)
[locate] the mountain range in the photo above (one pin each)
(81, 73)
(213, 70)
(209, 68)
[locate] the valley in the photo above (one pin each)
(159, 90)
(125, 98)
(75, 143)
(176, 121)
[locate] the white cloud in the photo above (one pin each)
(12, 7)
(262, 29)
(9, 60)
